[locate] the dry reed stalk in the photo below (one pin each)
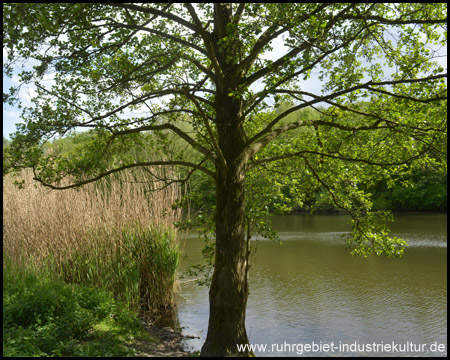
(37, 219)
(43, 225)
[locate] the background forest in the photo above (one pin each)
(423, 188)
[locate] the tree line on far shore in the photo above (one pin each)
(421, 189)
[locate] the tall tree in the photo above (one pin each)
(122, 68)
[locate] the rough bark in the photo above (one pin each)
(229, 289)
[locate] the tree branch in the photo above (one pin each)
(425, 101)
(208, 41)
(202, 68)
(149, 10)
(258, 162)
(261, 95)
(303, 46)
(270, 135)
(237, 15)
(129, 166)
(267, 37)
(263, 40)
(382, 20)
(160, 33)
(208, 127)
(174, 129)
(335, 201)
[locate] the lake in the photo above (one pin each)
(309, 297)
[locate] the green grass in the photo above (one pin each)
(138, 265)
(43, 316)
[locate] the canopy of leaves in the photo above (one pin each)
(167, 68)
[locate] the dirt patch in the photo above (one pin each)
(168, 343)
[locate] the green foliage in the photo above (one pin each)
(205, 225)
(202, 196)
(6, 142)
(371, 235)
(156, 255)
(43, 316)
(140, 271)
(6, 162)
(422, 190)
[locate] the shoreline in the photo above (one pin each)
(168, 342)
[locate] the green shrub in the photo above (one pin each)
(43, 316)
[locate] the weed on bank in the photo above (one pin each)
(43, 316)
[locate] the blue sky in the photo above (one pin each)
(10, 114)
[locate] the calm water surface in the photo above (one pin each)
(309, 290)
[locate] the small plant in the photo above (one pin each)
(43, 316)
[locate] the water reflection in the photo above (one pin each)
(309, 289)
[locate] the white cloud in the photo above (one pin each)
(5, 55)
(10, 119)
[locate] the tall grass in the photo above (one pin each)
(116, 234)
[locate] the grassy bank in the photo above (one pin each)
(43, 316)
(70, 257)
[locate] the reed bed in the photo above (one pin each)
(116, 234)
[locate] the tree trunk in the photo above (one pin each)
(229, 289)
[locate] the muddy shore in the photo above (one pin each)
(168, 342)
